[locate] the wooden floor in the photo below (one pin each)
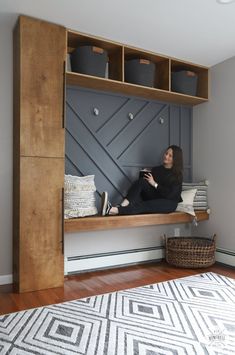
(94, 283)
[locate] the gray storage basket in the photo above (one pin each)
(140, 72)
(89, 60)
(184, 82)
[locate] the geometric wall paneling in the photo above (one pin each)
(120, 123)
(181, 134)
(88, 155)
(186, 139)
(113, 136)
(175, 124)
(146, 138)
(84, 102)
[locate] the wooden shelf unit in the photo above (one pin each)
(114, 222)
(40, 50)
(115, 82)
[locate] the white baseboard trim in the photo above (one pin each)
(226, 257)
(6, 279)
(106, 260)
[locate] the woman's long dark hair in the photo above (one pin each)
(177, 167)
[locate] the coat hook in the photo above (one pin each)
(96, 111)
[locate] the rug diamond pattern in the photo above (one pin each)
(191, 315)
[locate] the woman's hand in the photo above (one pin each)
(149, 178)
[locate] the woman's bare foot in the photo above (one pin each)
(125, 202)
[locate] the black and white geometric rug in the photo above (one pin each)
(191, 315)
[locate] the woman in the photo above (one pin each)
(159, 191)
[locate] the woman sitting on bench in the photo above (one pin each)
(158, 191)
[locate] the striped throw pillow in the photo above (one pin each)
(200, 201)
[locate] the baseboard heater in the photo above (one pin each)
(92, 262)
(77, 264)
(225, 257)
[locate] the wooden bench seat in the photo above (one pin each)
(111, 222)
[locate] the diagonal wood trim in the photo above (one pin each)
(112, 222)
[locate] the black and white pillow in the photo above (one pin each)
(79, 196)
(200, 201)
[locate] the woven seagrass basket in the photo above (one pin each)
(190, 252)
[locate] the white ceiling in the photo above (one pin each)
(200, 31)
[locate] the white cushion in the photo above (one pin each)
(187, 204)
(79, 196)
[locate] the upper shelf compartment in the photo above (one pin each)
(194, 72)
(160, 65)
(115, 77)
(114, 51)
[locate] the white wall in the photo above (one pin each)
(78, 244)
(214, 149)
(119, 239)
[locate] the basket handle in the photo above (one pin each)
(214, 237)
(97, 50)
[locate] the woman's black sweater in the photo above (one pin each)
(169, 186)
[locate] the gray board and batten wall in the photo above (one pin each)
(113, 136)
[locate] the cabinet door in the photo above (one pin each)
(42, 57)
(41, 262)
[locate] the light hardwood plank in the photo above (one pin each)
(112, 222)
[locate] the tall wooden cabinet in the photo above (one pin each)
(39, 57)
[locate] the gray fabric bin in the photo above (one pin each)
(140, 72)
(89, 60)
(184, 82)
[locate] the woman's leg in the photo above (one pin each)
(139, 189)
(150, 206)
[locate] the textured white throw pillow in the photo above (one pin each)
(187, 204)
(79, 196)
